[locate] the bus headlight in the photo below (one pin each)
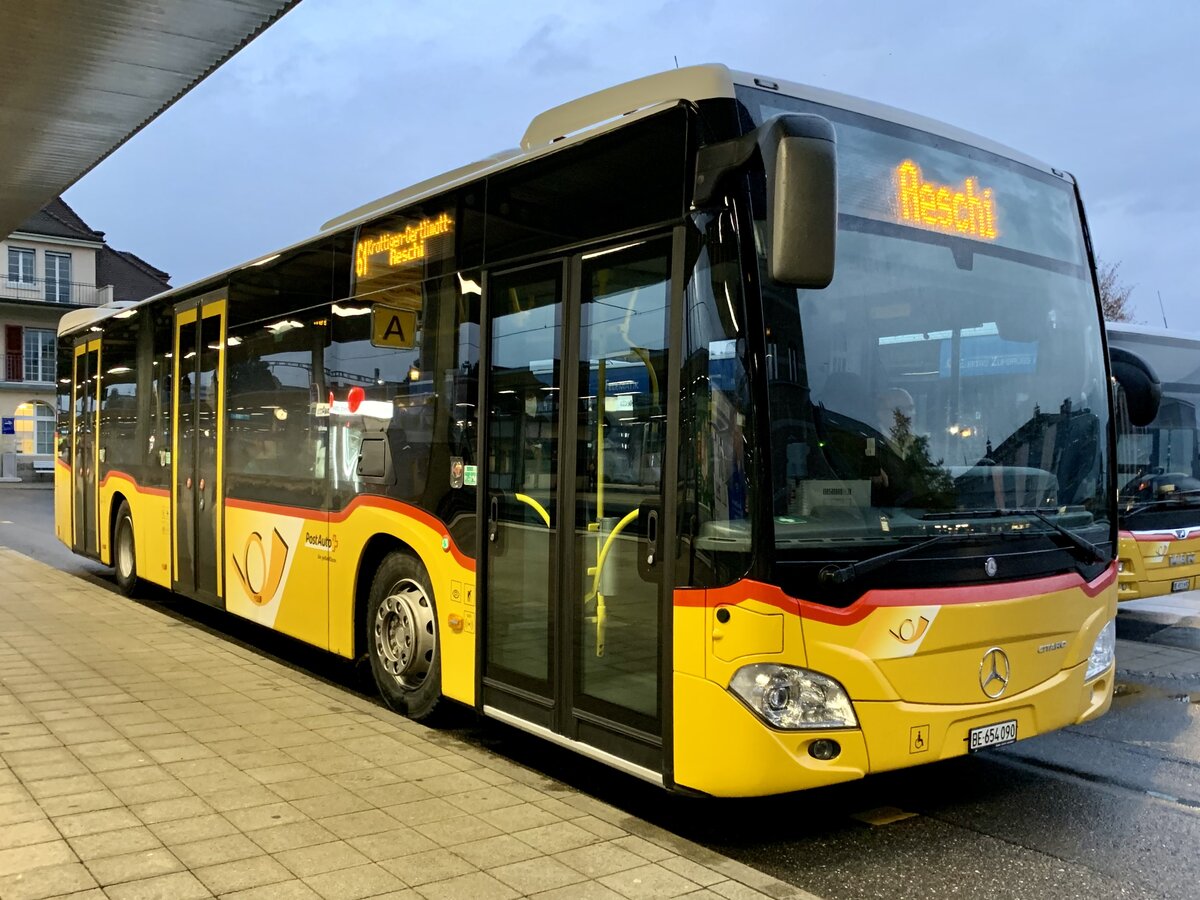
(1104, 651)
(790, 698)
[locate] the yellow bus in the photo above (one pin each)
(744, 436)
(1158, 469)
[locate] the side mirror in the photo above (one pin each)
(801, 200)
(1143, 392)
(799, 156)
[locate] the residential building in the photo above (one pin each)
(54, 263)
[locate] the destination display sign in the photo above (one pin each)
(897, 175)
(402, 244)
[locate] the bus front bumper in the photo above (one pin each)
(723, 749)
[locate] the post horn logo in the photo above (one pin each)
(909, 631)
(994, 673)
(261, 575)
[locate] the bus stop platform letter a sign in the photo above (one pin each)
(393, 327)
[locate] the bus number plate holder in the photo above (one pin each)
(995, 735)
(1181, 584)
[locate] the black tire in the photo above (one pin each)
(124, 551)
(403, 642)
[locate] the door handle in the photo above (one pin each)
(493, 518)
(652, 548)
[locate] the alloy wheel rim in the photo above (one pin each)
(405, 633)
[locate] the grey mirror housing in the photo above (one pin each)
(1143, 392)
(799, 157)
(801, 200)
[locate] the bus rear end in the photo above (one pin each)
(906, 511)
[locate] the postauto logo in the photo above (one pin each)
(261, 572)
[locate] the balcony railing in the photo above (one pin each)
(12, 366)
(50, 290)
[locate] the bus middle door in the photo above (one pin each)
(198, 411)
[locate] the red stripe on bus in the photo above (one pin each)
(872, 600)
(141, 489)
(371, 500)
(62, 462)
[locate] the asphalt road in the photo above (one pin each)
(1111, 809)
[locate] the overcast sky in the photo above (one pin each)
(343, 101)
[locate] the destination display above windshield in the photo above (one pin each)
(898, 175)
(968, 209)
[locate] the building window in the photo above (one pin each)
(34, 425)
(58, 277)
(39, 355)
(20, 266)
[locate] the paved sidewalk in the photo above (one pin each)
(1157, 660)
(142, 758)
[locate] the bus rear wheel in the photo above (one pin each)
(402, 637)
(124, 551)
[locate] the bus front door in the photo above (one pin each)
(575, 584)
(198, 413)
(85, 426)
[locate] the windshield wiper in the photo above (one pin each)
(842, 574)
(1091, 551)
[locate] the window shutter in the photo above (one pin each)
(14, 353)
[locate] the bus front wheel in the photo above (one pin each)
(402, 637)
(124, 551)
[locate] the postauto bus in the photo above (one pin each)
(742, 435)
(1158, 468)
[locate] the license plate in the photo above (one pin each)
(1181, 584)
(995, 735)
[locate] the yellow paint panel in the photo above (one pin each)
(721, 748)
(745, 632)
(932, 651)
(62, 500)
(150, 509)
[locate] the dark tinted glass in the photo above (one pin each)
(615, 183)
(119, 447)
(156, 399)
(402, 380)
(717, 449)
(275, 363)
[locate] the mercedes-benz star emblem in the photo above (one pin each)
(990, 567)
(994, 673)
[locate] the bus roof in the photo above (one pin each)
(584, 118)
(1173, 334)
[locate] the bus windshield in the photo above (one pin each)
(954, 368)
(1159, 465)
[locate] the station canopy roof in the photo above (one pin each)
(78, 79)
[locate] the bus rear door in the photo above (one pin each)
(85, 426)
